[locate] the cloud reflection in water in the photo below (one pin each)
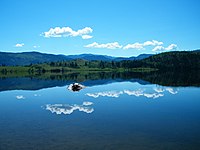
(141, 93)
(169, 89)
(157, 92)
(20, 97)
(69, 109)
(106, 93)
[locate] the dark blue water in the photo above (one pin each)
(114, 116)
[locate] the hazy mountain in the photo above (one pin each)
(26, 58)
(139, 57)
(91, 57)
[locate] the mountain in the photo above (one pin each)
(139, 57)
(27, 58)
(91, 57)
(174, 60)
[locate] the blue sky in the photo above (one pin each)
(108, 27)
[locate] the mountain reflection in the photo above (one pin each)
(69, 109)
(172, 79)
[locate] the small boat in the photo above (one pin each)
(75, 87)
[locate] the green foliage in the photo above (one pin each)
(174, 60)
(170, 60)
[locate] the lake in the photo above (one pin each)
(114, 112)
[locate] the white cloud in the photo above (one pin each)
(152, 43)
(134, 46)
(67, 109)
(113, 45)
(67, 31)
(142, 45)
(86, 37)
(161, 48)
(20, 97)
(171, 47)
(19, 45)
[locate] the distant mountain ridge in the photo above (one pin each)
(27, 58)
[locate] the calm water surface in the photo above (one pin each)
(117, 115)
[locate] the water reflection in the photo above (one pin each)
(36, 95)
(169, 89)
(69, 109)
(154, 93)
(99, 78)
(140, 92)
(20, 97)
(106, 94)
(126, 113)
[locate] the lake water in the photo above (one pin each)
(109, 114)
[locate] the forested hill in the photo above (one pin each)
(27, 58)
(175, 60)
(167, 60)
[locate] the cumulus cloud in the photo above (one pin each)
(105, 94)
(68, 109)
(152, 43)
(113, 45)
(162, 48)
(142, 45)
(67, 31)
(20, 97)
(19, 45)
(86, 37)
(134, 46)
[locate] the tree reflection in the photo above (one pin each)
(172, 78)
